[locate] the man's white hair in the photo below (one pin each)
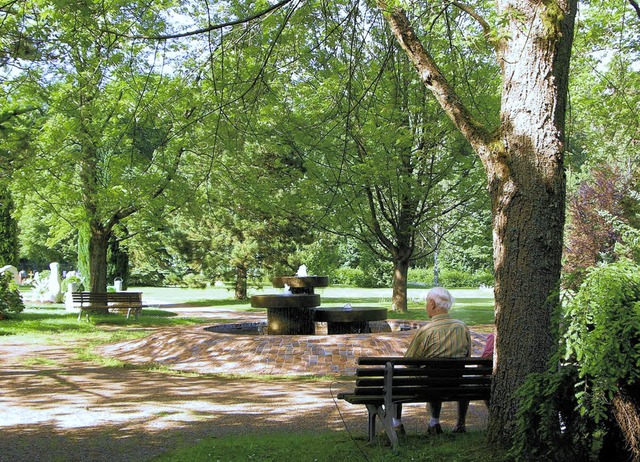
(441, 297)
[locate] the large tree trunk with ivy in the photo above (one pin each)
(98, 245)
(523, 159)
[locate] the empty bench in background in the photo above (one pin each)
(105, 301)
(383, 382)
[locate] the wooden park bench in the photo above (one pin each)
(94, 301)
(384, 382)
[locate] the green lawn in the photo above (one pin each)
(335, 447)
(52, 323)
(473, 306)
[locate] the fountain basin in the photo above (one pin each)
(300, 282)
(288, 314)
(354, 320)
(285, 301)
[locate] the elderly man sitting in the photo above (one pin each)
(441, 337)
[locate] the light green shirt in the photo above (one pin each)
(442, 337)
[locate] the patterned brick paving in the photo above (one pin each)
(200, 350)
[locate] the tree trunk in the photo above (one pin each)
(523, 160)
(241, 282)
(117, 262)
(528, 218)
(527, 187)
(436, 269)
(98, 245)
(399, 294)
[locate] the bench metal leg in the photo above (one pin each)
(390, 430)
(86, 312)
(386, 418)
(136, 312)
(373, 412)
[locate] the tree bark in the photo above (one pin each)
(523, 160)
(400, 277)
(98, 245)
(241, 282)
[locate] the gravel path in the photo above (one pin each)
(55, 407)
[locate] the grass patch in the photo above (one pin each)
(472, 311)
(39, 361)
(52, 326)
(217, 302)
(336, 446)
(471, 315)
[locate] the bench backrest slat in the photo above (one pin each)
(424, 362)
(426, 381)
(105, 300)
(416, 379)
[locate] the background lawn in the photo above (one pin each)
(473, 306)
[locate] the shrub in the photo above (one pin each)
(378, 276)
(346, 276)
(549, 424)
(599, 376)
(375, 274)
(173, 280)
(147, 278)
(459, 278)
(64, 286)
(195, 281)
(421, 276)
(10, 299)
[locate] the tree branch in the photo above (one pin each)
(486, 28)
(477, 135)
(7, 115)
(204, 30)
(636, 7)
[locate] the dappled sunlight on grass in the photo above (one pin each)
(115, 379)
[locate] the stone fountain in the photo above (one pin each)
(292, 311)
(297, 309)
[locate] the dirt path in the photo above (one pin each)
(54, 407)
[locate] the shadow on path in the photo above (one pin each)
(54, 407)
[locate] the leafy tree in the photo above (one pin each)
(604, 123)
(468, 246)
(523, 160)
(108, 147)
(591, 237)
(381, 165)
